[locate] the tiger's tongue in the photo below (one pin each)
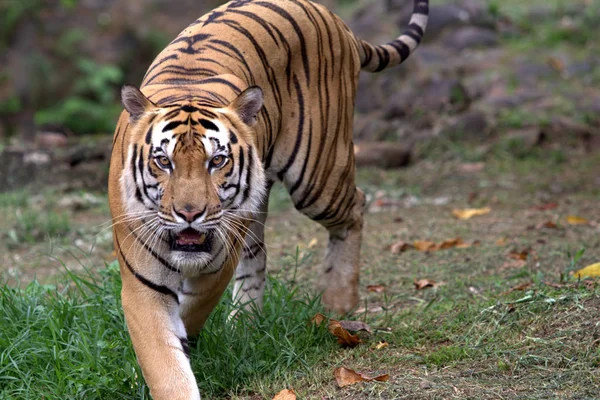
(190, 236)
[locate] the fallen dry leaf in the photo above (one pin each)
(355, 326)
(318, 319)
(575, 220)
(340, 329)
(469, 213)
(346, 377)
(547, 225)
(376, 288)
(519, 255)
(345, 338)
(400, 247)
(285, 394)
(425, 283)
(381, 345)
(424, 245)
(447, 244)
(312, 243)
(591, 271)
(501, 241)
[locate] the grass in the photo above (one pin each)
(72, 343)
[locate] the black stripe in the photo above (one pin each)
(306, 159)
(157, 64)
(206, 124)
(185, 344)
(172, 125)
(402, 49)
(249, 174)
(159, 288)
(138, 193)
(287, 16)
(189, 108)
(292, 158)
(164, 262)
(149, 135)
(417, 29)
(384, 58)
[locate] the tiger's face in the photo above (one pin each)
(195, 175)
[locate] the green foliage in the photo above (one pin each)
(91, 106)
(11, 12)
(74, 341)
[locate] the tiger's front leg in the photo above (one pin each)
(159, 339)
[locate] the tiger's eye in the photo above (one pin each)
(218, 161)
(164, 161)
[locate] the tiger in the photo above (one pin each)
(252, 93)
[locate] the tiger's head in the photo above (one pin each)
(194, 173)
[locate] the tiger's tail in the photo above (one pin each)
(377, 58)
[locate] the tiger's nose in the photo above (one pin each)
(189, 213)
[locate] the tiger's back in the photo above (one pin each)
(266, 88)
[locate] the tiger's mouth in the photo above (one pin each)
(190, 240)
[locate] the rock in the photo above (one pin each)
(567, 131)
(442, 95)
(382, 154)
(470, 37)
(445, 17)
(526, 138)
(51, 140)
(472, 126)
(372, 127)
(78, 202)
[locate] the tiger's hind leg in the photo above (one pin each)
(340, 210)
(250, 275)
(341, 265)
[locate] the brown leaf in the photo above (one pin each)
(469, 213)
(547, 225)
(355, 326)
(344, 337)
(376, 288)
(519, 255)
(545, 206)
(425, 283)
(424, 245)
(346, 377)
(398, 219)
(318, 319)
(447, 244)
(400, 247)
(285, 394)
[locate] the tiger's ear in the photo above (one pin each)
(248, 104)
(135, 102)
